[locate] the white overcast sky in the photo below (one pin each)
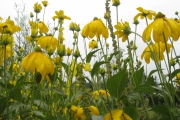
(83, 11)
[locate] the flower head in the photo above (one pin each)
(9, 53)
(45, 3)
(87, 67)
(60, 15)
(93, 44)
(117, 115)
(162, 28)
(100, 93)
(155, 52)
(38, 61)
(145, 13)
(61, 50)
(79, 112)
(9, 27)
(95, 28)
(122, 30)
(47, 42)
(42, 27)
(115, 2)
(68, 51)
(37, 7)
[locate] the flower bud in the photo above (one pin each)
(61, 50)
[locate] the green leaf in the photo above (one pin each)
(41, 104)
(161, 110)
(174, 73)
(14, 107)
(144, 89)
(150, 81)
(90, 55)
(2, 104)
(139, 76)
(15, 93)
(38, 113)
(66, 67)
(117, 83)
(152, 72)
(97, 117)
(132, 112)
(60, 92)
(112, 54)
(96, 67)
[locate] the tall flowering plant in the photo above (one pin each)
(42, 77)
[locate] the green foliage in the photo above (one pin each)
(117, 83)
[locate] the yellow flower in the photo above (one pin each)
(7, 39)
(14, 67)
(45, 3)
(9, 27)
(94, 110)
(93, 44)
(87, 67)
(47, 42)
(123, 30)
(42, 27)
(79, 113)
(155, 52)
(145, 13)
(37, 7)
(95, 28)
(68, 51)
(72, 26)
(100, 92)
(115, 2)
(178, 79)
(117, 115)
(162, 27)
(9, 53)
(38, 61)
(60, 15)
(73, 67)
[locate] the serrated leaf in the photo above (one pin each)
(117, 83)
(144, 89)
(96, 67)
(90, 55)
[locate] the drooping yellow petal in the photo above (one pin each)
(136, 17)
(159, 26)
(147, 32)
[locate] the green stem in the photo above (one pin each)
(6, 83)
(109, 108)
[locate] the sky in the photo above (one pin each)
(83, 11)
